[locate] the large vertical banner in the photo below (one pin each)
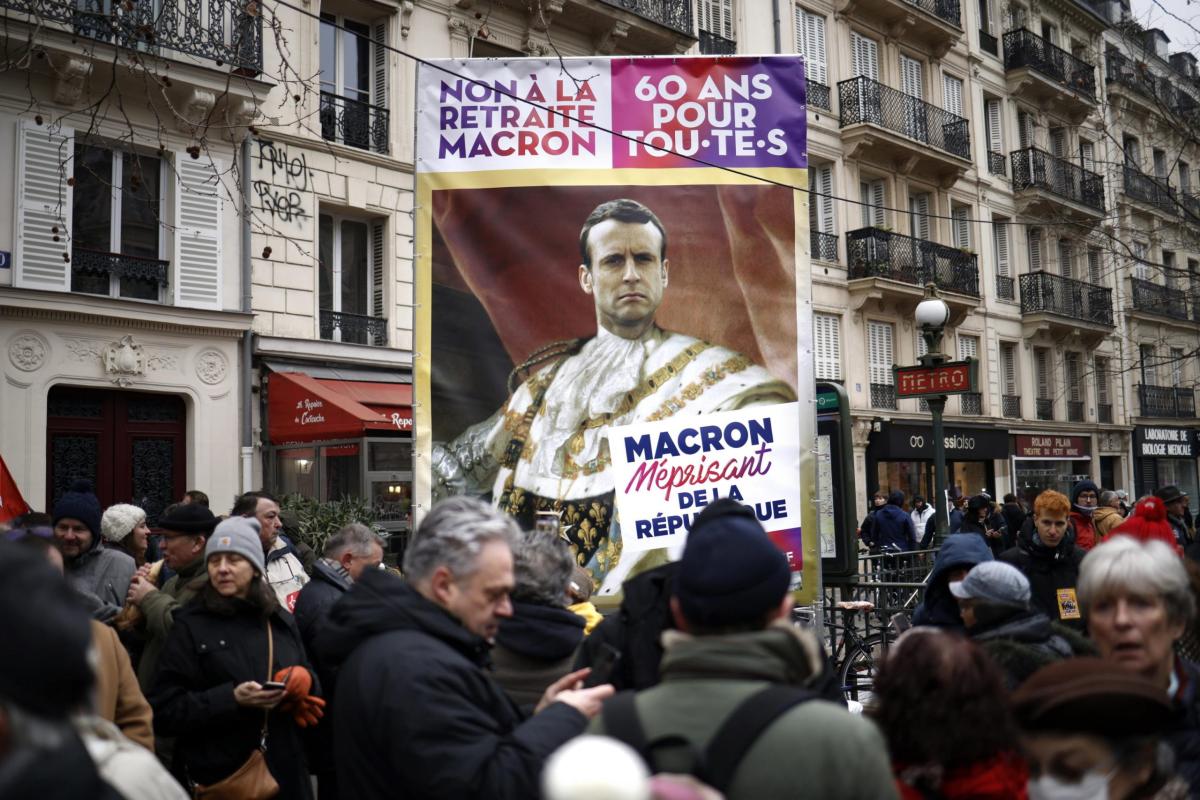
(610, 247)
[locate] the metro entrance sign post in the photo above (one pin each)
(934, 380)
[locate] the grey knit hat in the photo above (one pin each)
(238, 535)
(120, 520)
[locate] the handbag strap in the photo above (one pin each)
(262, 745)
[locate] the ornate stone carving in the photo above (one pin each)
(27, 351)
(211, 367)
(157, 360)
(70, 77)
(861, 432)
(83, 350)
(195, 109)
(123, 360)
(406, 12)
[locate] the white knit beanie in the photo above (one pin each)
(119, 520)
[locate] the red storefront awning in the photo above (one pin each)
(301, 408)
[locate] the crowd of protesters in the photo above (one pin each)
(218, 657)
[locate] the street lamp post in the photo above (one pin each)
(932, 315)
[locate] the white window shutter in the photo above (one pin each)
(992, 113)
(1102, 381)
(952, 89)
(1035, 250)
(1008, 358)
(42, 251)
(962, 227)
(379, 63)
(1024, 130)
(968, 347)
(1094, 274)
(1066, 258)
(1000, 240)
(1087, 155)
(820, 205)
(918, 206)
(814, 31)
(912, 77)
(726, 28)
(827, 331)
(865, 56)
(880, 360)
(1176, 366)
(1058, 142)
(1043, 373)
(198, 206)
(877, 203)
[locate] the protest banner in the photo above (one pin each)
(600, 243)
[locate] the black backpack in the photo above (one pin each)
(738, 733)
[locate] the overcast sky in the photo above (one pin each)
(1179, 19)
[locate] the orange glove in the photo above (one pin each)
(297, 683)
(308, 711)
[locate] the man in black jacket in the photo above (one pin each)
(1050, 560)
(416, 714)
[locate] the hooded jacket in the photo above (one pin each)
(1052, 574)
(1104, 520)
(534, 648)
(1025, 641)
(939, 608)
(416, 713)
(893, 527)
(101, 576)
(814, 749)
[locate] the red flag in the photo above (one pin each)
(11, 502)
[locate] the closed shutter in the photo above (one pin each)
(1074, 377)
(1141, 270)
(962, 227)
(1149, 367)
(1042, 359)
(1185, 178)
(1066, 258)
(716, 16)
(1000, 240)
(912, 78)
(918, 208)
(871, 196)
(1008, 363)
(1058, 142)
(378, 273)
(197, 232)
(827, 330)
(379, 64)
(968, 347)
(992, 113)
(42, 251)
(1035, 249)
(1087, 155)
(810, 43)
(1025, 130)
(952, 89)
(1176, 366)
(879, 358)
(820, 204)
(1102, 396)
(865, 56)
(1160, 165)
(1094, 274)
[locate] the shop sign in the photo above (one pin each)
(915, 441)
(1047, 446)
(1163, 442)
(953, 377)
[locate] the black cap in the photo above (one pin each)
(189, 518)
(1169, 494)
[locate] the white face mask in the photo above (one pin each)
(1092, 786)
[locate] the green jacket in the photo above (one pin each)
(159, 609)
(816, 750)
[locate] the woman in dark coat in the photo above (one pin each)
(208, 692)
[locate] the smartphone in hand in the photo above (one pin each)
(271, 686)
(604, 666)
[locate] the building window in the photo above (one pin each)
(810, 43)
(1066, 258)
(1087, 155)
(354, 68)
(1141, 266)
(116, 239)
(1026, 130)
(1103, 397)
(952, 94)
(1011, 397)
(995, 135)
(873, 198)
(961, 222)
(1035, 249)
(918, 216)
(880, 359)
(1148, 365)
(1074, 366)
(1132, 150)
(865, 56)
(1044, 373)
(351, 281)
(1161, 171)
(1177, 359)
(820, 206)
(1185, 178)
(1005, 288)
(827, 334)
(1095, 275)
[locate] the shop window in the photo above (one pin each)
(389, 476)
(296, 471)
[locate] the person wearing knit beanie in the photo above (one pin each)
(124, 526)
(1148, 521)
(240, 536)
(100, 575)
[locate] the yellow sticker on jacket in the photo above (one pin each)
(1068, 605)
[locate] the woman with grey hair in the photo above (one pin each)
(1137, 600)
(536, 645)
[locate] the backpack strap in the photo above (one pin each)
(621, 721)
(742, 728)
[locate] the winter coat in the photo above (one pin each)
(587, 611)
(417, 714)
(118, 698)
(1014, 519)
(816, 745)
(535, 647)
(1104, 520)
(1003, 777)
(1085, 530)
(212, 647)
(955, 520)
(126, 766)
(1052, 575)
(1179, 527)
(285, 572)
(101, 576)
(327, 586)
(159, 610)
(893, 528)
(1027, 641)
(980, 529)
(1184, 736)
(919, 518)
(55, 769)
(939, 608)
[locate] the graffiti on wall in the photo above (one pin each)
(281, 183)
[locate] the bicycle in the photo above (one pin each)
(861, 654)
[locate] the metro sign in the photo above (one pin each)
(952, 377)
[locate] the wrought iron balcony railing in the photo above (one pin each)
(1122, 71)
(1166, 401)
(818, 96)
(226, 32)
(1012, 405)
(824, 246)
(876, 253)
(1045, 408)
(96, 262)
(1149, 189)
(1023, 48)
(354, 123)
(1104, 413)
(712, 44)
(945, 10)
(1036, 169)
(1189, 205)
(1155, 299)
(883, 395)
(864, 100)
(1074, 411)
(1067, 297)
(988, 43)
(997, 163)
(676, 14)
(341, 326)
(1006, 288)
(971, 404)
